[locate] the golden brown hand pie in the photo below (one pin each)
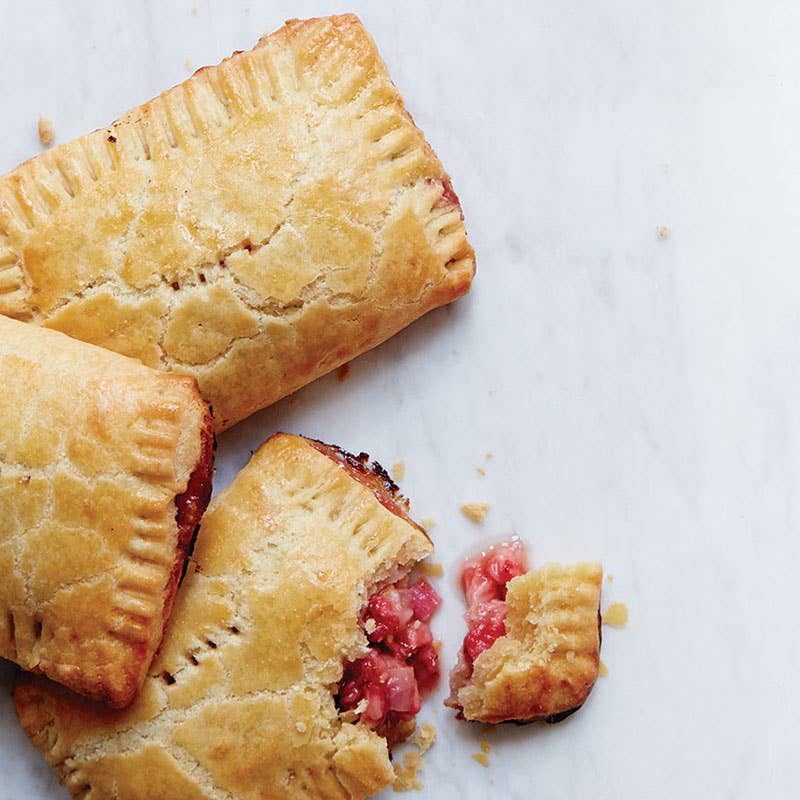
(240, 700)
(256, 226)
(533, 647)
(105, 470)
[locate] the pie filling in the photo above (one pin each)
(385, 687)
(484, 579)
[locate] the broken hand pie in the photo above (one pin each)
(240, 702)
(255, 227)
(532, 651)
(105, 470)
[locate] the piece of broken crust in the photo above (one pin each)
(532, 653)
(241, 700)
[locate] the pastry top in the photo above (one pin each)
(255, 226)
(94, 451)
(239, 702)
(546, 664)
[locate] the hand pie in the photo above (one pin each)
(532, 651)
(105, 470)
(255, 227)
(240, 702)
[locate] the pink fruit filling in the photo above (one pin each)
(484, 579)
(386, 686)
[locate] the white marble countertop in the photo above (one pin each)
(637, 391)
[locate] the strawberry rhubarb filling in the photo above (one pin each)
(385, 688)
(484, 580)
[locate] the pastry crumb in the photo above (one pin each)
(475, 511)
(486, 747)
(194, 11)
(481, 758)
(188, 65)
(399, 470)
(489, 456)
(47, 132)
(662, 231)
(616, 615)
(425, 737)
(427, 523)
(431, 569)
(481, 471)
(602, 669)
(405, 773)
(343, 373)
(609, 579)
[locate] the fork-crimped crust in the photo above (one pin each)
(97, 453)
(255, 227)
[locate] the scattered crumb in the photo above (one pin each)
(486, 747)
(481, 471)
(399, 470)
(609, 579)
(662, 231)
(343, 373)
(481, 758)
(431, 569)
(489, 456)
(616, 615)
(602, 669)
(188, 64)
(194, 11)
(47, 133)
(406, 772)
(425, 737)
(370, 625)
(475, 511)
(427, 523)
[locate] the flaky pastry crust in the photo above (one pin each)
(240, 699)
(547, 663)
(96, 455)
(255, 227)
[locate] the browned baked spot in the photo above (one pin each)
(372, 475)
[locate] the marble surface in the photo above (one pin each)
(639, 393)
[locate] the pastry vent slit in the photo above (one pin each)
(141, 135)
(20, 207)
(214, 79)
(64, 177)
(87, 161)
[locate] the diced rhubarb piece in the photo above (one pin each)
(385, 687)
(484, 579)
(425, 600)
